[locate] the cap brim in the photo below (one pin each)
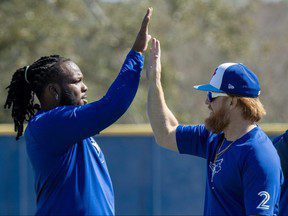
(208, 87)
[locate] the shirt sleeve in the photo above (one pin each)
(69, 124)
(262, 179)
(192, 140)
(281, 144)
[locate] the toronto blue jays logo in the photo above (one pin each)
(93, 142)
(215, 167)
(98, 150)
(215, 72)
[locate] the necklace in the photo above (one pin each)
(213, 166)
(219, 153)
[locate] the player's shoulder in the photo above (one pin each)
(44, 115)
(43, 121)
(263, 151)
(256, 139)
(256, 145)
(281, 138)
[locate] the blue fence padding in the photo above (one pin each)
(147, 179)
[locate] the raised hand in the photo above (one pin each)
(143, 37)
(162, 120)
(153, 70)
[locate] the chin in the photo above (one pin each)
(83, 102)
(217, 122)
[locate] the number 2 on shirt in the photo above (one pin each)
(262, 204)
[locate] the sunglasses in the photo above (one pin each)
(212, 95)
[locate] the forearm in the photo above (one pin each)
(162, 120)
(123, 90)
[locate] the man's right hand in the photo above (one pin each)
(153, 70)
(162, 120)
(143, 37)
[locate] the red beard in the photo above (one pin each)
(218, 121)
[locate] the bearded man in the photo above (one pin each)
(243, 169)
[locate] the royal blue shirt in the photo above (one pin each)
(71, 175)
(244, 180)
(281, 144)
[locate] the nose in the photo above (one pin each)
(84, 88)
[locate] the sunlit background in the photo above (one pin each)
(196, 36)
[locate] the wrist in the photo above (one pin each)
(155, 82)
(137, 51)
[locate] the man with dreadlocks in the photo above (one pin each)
(71, 175)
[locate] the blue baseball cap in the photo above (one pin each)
(235, 79)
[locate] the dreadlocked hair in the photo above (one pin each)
(22, 89)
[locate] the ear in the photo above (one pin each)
(54, 91)
(233, 102)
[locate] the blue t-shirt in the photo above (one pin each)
(244, 180)
(71, 175)
(281, 144)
